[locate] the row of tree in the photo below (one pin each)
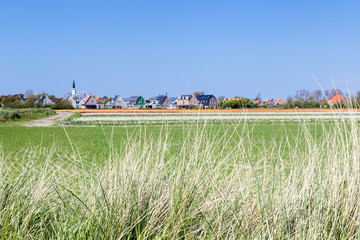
(318, 98)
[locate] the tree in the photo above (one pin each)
(197, 93)
(7, 101)
(29, 93)
(30, 101)
(317, 94)
(107, 100)
(326, 95)
(221, 98)
(357, 95)
(63, 105)
(302, 94)
(335, 92)
(39, 95)
(242, 103)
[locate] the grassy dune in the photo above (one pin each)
(23, 114)
(224, 181)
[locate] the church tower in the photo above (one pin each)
(73, 90)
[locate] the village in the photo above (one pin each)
(79, 100)
(196, 100)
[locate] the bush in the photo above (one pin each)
(29, 113)
(62, 105)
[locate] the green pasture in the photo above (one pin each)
(96, 143)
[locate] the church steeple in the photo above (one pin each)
(73, 90)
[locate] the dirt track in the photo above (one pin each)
(50, 121)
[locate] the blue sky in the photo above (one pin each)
(230, 48)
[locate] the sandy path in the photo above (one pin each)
(50, 121)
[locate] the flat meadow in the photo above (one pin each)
(183, 175)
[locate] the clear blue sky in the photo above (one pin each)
(149, 47)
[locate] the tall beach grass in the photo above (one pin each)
(214, 187)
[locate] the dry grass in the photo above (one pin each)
(212, 189)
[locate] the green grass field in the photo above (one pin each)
(92, 142)
(229, 180)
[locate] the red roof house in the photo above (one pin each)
(281, 101)
(336, 100)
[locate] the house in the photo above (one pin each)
(257, 102)
(88, 102)
(19, 97)
(45, 101)
(336, 100)
(193, 101)
(116, 102)
(173, 102)
(78, 102)
(99, 99)
(136, 101)
(269, 102)
(183, 101)
(99, 105)
(162, 101)
(280, 102)
(71, 100)
(207, 101)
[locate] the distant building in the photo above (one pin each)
(73, 90)
(336, 100)
(173, 102)
(76, 95)
(207, 101)
(88, 102)
(280, 102)
(183, 101)
(99, 105)
(270, 102)
(116, 102)
(45, 101)
(194, 101)
(257, 102)
(136, 101)
(162, 101)
(71, 100)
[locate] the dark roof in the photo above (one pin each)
(183, 97)
(161, 99)
(73, 84)
(115, 98)
(204, 97)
